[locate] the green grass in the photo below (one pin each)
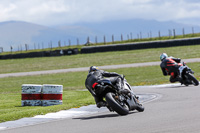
(98, 59)
(74, 95)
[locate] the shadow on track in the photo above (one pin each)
(103, 116)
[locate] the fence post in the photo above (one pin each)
(1, 48)
(21, 48)
(183, 32)
(140, 35)
(69, 42)
(169, 33)
(150, 35)
(64, 43)
(174, 31)
(96, 41)
(11, 48)
(121, 37)
(51, 45)
(159, 34)
(59, 43)
(104, 39)
(77, 41)
(131, 36)
(88, 41)
(112, 38)
(192, 30)
(26, 47)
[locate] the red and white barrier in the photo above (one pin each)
(52, 95)
(31, 95)
(41, 95)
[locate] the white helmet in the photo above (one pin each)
(163, 56)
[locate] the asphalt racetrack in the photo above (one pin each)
(176, 109)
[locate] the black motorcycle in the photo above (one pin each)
(119, 101)
(187, 76)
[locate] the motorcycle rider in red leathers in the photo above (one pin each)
(170, 66)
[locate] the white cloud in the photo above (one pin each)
(7, 10)
(53, 12)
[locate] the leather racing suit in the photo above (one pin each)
(94, 76)
(170, 66)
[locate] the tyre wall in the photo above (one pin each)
(41, 54)
(141, 45)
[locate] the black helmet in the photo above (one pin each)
(93, 68)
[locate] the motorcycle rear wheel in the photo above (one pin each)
(193, 79)
(114, 104)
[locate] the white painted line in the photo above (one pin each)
(158, 86)
(85, 110)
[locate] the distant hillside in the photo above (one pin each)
(19, 33)
(139, 26)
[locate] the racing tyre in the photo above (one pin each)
(140, 108)
(115, 104)
(193, 79)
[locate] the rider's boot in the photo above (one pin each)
(180, 80)
(175, 79)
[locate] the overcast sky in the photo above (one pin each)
(55, 12)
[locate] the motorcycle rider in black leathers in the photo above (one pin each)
(169, 66)
(94, 75)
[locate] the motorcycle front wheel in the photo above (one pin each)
(115, 104)
(193, 79)
(140, 108)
